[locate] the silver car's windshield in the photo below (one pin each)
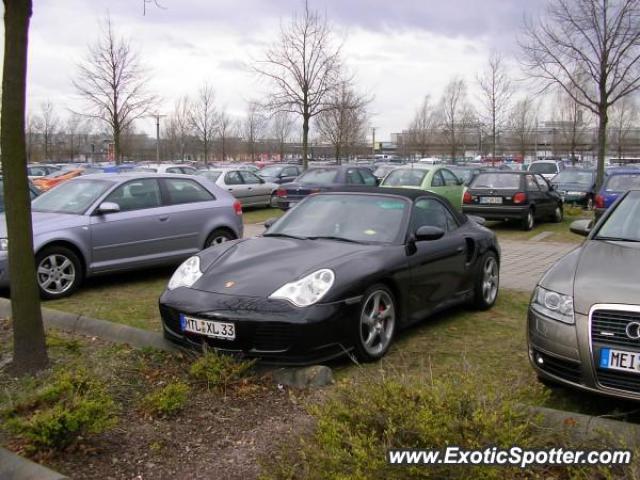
(544, 168)
(624, 222)
(74, 196)
(351, 218)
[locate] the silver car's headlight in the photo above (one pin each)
(308, 290)
(553, 305)
(4, 244)
(187, 274)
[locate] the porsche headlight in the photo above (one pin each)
(553, 305)
(308, 290)
(187, 274)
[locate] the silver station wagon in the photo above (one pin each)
(104, 223)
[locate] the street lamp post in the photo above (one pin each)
(157, 117)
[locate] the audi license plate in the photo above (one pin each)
(209, 328)
(491, 200)
(619, 360)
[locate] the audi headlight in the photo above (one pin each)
(187, 274)
(308, 290)
(4, 244)
(553, 305)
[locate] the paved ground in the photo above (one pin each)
(523, 262)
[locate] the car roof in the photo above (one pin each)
(409, 193)
(123, 176)
(622, 171)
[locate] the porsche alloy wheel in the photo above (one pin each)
(377, 323)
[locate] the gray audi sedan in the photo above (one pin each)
(104, 223)
(584, 316)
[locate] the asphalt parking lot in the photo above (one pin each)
(523, 262)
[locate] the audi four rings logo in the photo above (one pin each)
(633, 330)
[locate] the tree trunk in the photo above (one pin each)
(602, 145)
(305, 142)
(205, 144)
(29, 348)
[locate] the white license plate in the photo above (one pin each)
(620, 360)
(208, 328)
(491, 200)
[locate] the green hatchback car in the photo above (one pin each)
(434, 179)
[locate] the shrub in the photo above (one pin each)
(73, 404)
(357, 426)
(166, 401)
(219, 370)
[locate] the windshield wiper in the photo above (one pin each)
(285, 235)
(617, 239)
(332, 237)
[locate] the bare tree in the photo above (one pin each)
(625, 118)
(281, 126)
(75, 125)
(303, 67)
(204, 118)
(522, 123)
(496, 89)
(225, 129)
(453, 108)
(48, 127)
(597, 39)
(422, 130)
(29, 347)
(344, 124)
(178, 128)
(253, 127)
(113, 83)
(34, 125)
(570, 123)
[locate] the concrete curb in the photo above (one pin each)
(14, 467)
(115, 332)
(582, 427)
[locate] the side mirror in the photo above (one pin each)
(460, 181)
(581, 227)
(269, 222)
(427, 232)
(108, 207)
(478, 220)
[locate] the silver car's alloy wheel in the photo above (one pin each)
(218, 240)
(490, 280)
(56, 274)
(377, 322)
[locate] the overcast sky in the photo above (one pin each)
(399, 50)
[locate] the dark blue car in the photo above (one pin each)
(617, 182)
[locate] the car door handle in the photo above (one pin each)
(249, 188)
(230, 189)
(164, 219)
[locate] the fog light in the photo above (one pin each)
(539, 359)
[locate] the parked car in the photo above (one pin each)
(434, 179)
(38, 171)
(56, 178)
(519, 196)
(382, 170)
(547, 168)
(33, 192)
(584, 316)
(617, 181)
(166, 168)
(251, 190)
(343, 270)
(107, 223)
(279, 173)
(318, 179)
(576, 186)
(465, 173)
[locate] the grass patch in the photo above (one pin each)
(258, 215)
(560, 231)
(218, 371)
(131, 299)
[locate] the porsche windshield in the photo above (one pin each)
(348, 217)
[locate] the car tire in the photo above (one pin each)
(375, 327)
(59, 272)
(558, 214)
(487, 282)
(219, 235)
(529, 220)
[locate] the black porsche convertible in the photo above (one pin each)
(341, 272)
